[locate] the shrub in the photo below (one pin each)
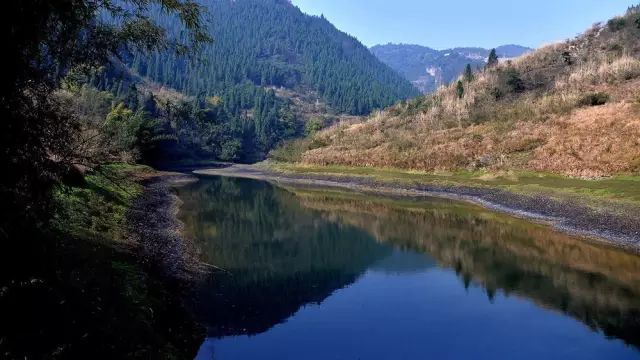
(496, 93)
(594, 99)
(514, 81)
(616, 24)
(290, 150)
(312, 126)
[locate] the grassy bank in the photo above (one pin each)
(624, 190)
(88, 291)
(96, 209)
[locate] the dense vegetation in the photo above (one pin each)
(270, 43)
(41, 138)
(228, 102)
(66, 293)
(569, 108)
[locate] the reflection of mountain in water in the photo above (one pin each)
(597, 285)
(278, 255)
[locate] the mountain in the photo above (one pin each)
(570, 108)
(271, 43)
(428, 68)
(269, 69)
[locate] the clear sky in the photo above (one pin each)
(444, 24)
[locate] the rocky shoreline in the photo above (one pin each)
(611, 224)
(152, 223)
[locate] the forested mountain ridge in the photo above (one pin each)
(428, 68)
(570, 108)
(272, 43)
(269, 70)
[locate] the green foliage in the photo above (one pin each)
(514, 80)
(290, 151)
(594, 99)
(270, 43)
(468, 73)
(131, 132)
(312, 126)
(234, 115)
(243, 126)
(459, 89)
(617, 24)
(493, 59)
(47, 39)
(91, 285)
(97, 209)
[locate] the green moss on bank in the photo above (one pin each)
(622, 189)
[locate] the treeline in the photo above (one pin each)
(155, 125)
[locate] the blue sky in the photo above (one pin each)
(449, 23)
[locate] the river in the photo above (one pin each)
(306, 273)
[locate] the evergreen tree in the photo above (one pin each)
(493, 59)
(460, 89)
(468, 73)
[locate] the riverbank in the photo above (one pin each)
(599, 210)
(152, 223)
(109, 278)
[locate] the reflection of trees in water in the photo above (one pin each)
(279, 255)
(598, 285)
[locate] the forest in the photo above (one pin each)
(227, 88)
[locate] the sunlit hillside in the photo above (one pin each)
(571, 108)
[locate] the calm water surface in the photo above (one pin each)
(321, 274)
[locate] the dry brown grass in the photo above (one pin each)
(592, 142)
(541, 121)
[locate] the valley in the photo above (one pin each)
(257, 179)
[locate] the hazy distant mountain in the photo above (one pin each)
(428, 68)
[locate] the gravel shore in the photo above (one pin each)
(153, 224)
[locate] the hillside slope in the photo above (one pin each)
(571, 108)
(428, 68)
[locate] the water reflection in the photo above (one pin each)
(275, 255)
(598, 285)
(401, 265)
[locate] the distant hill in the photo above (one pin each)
(571, 108)
(428, 68)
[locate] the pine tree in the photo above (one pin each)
(468, 73)
(460, 89)
(493, 59)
